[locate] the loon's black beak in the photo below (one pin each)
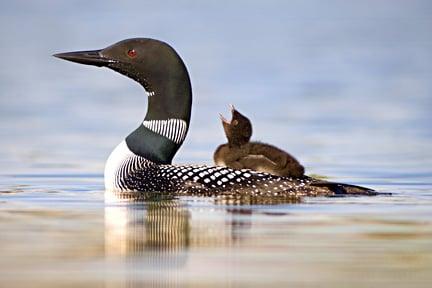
(93, 57)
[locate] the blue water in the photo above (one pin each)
(342, 85)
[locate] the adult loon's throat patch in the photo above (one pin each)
(173, 129)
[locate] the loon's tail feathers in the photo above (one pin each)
(341, 189)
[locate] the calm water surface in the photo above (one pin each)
(344, 87)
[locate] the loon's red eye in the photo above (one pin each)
(132, 53)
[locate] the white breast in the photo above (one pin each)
(118, 156)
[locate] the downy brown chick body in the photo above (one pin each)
(241, 153)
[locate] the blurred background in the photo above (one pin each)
(332, 82)
(345, 86)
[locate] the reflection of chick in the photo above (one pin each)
(239, 153)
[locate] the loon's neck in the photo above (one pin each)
(166, 123)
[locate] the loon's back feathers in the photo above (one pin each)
(137, 174)
(200, 180)
(223, 181)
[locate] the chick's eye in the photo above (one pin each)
(132, 53)
(235, 122)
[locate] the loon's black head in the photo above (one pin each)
(160, 70)
(152, 63)
(239, 130)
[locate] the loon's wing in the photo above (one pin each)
(219, 181)
(201, 180)
(342, 188)
(140, 176)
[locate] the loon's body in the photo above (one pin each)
(241, 153)
(142, 162)
(127, 174)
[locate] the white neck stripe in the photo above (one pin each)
(173, 129)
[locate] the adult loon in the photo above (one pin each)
(241, 153)
(141, 164)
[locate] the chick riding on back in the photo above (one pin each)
(241, 153)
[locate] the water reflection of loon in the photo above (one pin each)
(142, 162)
(158, 226)
(145, 239)
(167, 227)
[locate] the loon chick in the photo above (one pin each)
(141, 164)
(240, 153)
